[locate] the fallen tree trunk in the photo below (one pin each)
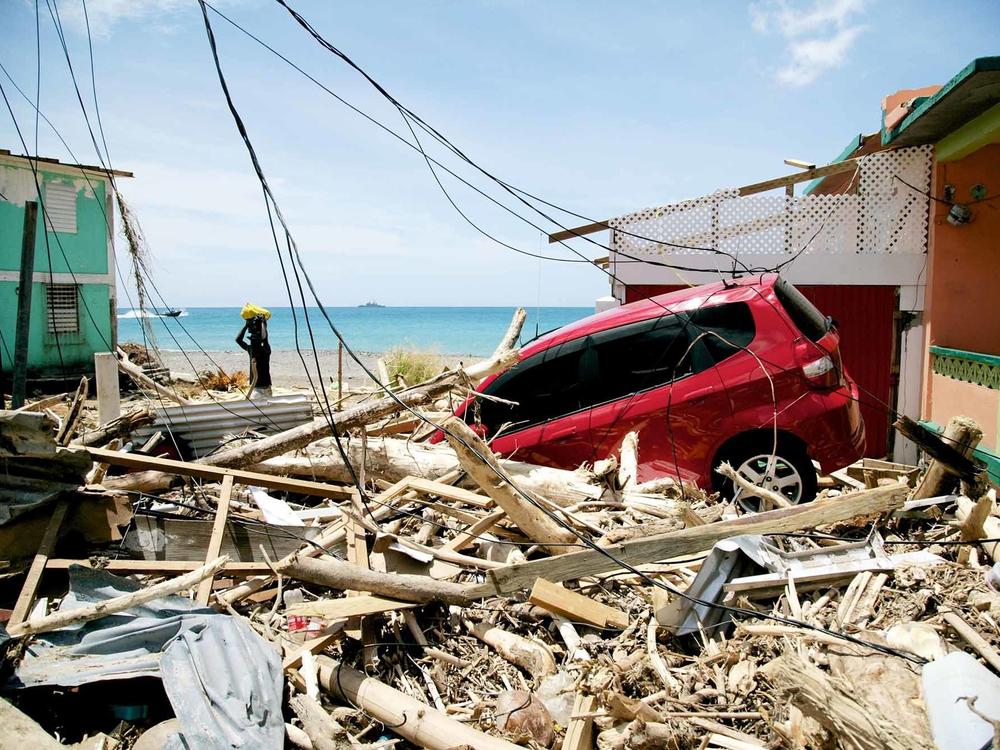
(116, 428)
(392, 459)
(692, 540)
(345, 576)
(478, 461)
(411, 719)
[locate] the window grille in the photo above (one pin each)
(60, 207)
(63, 308)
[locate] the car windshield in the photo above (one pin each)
(809, 320)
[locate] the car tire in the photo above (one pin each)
(794, 475)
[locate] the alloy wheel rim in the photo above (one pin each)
(770, 472)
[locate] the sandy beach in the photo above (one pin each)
(286, 366)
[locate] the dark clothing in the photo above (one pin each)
(260, 357)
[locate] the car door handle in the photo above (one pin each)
(701, 393)
(565, 432)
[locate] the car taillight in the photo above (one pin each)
(821, 368)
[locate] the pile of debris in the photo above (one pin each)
(345, 584)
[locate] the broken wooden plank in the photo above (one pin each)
(575, 607)
(470, 535)
(974, 639)
(580, 731)
(215, 543)
(27, 596)
(688, 541)
(358, 605)
(73, 416)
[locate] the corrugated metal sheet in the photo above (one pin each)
(204, 426)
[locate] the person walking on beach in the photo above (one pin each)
(259, 350)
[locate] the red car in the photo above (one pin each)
(701, 374)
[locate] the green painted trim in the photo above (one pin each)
(853, 146)
(991, 459)
(971, 137)
(969, 367)
(944, 351)
(976, 66)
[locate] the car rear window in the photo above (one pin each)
(810, 321)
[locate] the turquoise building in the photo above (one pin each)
(73, 301)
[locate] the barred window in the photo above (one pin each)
(63, 308)
(60, 207)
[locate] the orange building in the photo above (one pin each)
(962, 295)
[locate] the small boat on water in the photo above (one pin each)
(173, 313)
(371, 304)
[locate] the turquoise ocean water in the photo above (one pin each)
(442, 330)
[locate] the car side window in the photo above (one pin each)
(547, 385)
(640, 356)
(729, 327)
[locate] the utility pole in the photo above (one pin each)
(20, 386)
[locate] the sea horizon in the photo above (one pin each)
(438, 329)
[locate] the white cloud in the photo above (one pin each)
(818, 36)
(104, 15)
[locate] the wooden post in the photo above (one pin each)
(109, 404)
(20, 385)
(340, 373)
(962, 434)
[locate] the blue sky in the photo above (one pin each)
(599, 107)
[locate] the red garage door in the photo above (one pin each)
(864, 316)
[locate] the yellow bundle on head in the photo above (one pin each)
(251, 310)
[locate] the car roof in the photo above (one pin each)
(683, 300)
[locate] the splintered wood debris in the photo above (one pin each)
(452, 598)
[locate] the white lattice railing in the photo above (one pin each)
(882, 217)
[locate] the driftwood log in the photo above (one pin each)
(392, 459)
(527, 514)
(532, 656)
(345, 576)
(63, 618)
(411, 719)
